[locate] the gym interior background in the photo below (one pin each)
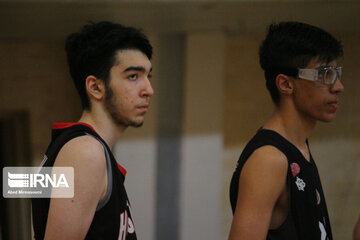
(210, 99)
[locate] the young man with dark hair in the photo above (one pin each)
(276, 191)
(110, 66)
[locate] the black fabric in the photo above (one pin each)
(113, 220)
(308, 217)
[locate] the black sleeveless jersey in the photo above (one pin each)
(112, 219)
(308, 217)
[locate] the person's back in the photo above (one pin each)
(276, 191)
(110, 66)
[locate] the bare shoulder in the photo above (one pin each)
(86, 155)
(264, 171)
(82, 150)
(267, 159)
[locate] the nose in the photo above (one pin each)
(338, 87)
(147, 91)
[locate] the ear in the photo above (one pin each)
(284, 84)
(95, 88)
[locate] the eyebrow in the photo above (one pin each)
(136, 68)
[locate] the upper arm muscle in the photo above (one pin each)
(262, 180)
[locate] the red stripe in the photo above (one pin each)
(122, 170)
(70, 124)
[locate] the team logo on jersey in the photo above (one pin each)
(295, 169)
(300, 184)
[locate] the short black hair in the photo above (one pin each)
(292, 45)
(92, 51)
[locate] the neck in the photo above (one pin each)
(291, 124)
(103, 125)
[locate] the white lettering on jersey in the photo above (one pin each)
(126, 225)
(123, 225)
(131, 227)
(323, 231)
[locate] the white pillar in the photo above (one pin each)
(202, 142)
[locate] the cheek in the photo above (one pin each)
(127, 97)
(306, 100)
(311, 103)
(126, 94)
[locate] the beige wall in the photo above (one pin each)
(246, 99)
(335, 146)
(34, 77)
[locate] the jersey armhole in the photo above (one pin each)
(106, 198)
(287, 222)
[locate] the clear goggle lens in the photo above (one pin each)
(324, 75)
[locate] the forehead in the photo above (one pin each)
(129, 57)
(315, 63)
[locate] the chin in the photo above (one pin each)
(136, 125)
(128, 123)
(327, 119)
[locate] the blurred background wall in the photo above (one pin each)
(210, 98)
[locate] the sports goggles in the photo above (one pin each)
(323, 75)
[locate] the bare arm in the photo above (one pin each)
(262, 180)
(70, 218)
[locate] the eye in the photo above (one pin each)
(149, 76)
(133, 77)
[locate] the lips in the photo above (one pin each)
(334, 104)
(143, 108)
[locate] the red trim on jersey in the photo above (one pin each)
(122, 170)
(70, 124)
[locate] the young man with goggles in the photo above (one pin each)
(276, 191)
